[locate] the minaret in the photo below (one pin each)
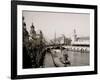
(55, 37)
(74, 36)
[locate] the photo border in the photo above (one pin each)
(14, 4)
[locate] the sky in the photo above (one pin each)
(58, 23)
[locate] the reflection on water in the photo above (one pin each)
(78, 58)
(75, 58)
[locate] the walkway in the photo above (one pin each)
(48, 61)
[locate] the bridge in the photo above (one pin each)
(72, 48)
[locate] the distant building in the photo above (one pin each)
(61, 40)
(80, 41)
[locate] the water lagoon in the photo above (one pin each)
(75, 58)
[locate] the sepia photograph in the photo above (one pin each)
(55, 39)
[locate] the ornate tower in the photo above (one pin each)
(33, 32)
(74, 36)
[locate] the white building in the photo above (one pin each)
(80, 41)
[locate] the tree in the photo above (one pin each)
(26, 57)
(25, 34)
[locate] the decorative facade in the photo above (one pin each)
(80, 41)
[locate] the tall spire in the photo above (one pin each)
(74, 31)
(55, 37)
(75, 35)
(32, 26)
